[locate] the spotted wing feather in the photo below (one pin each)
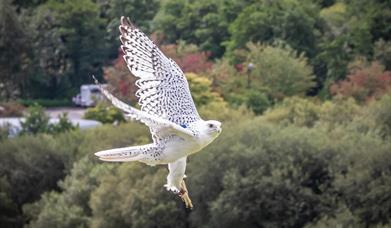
(163, 88)
(160, 128)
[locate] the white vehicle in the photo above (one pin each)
(88, 96)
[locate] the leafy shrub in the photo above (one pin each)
(222, 74)
(365, 187)
(381, 112)
(281, 70)
(195, 62)
(140, 195)
(85, 175)
(260, 175)
(223, 112)
(262, 184)
(364, 82)
(7, 207)
(339, 111)
(63, 125)
(104, 114)
(375, 118)
(33, 164)
(257, 102)
(4, 131)
(53, 206)
(82, 203)
(201, 90)
(51, 215)
(342, 217)
(209, 103)
(37, 121)
(11, 109)
(382, 53)
(308, 113)
(236, 100)
(46, 102)
(295, 110)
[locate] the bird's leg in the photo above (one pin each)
(184, 194)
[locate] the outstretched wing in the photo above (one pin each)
(163, 88)
(160, 128)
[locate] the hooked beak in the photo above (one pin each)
(219, 130)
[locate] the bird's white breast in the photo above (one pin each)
(178, 147)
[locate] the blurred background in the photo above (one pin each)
(303, 88)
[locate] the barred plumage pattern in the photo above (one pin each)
(163, 88)
(158, 126)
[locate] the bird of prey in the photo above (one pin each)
(167, 108)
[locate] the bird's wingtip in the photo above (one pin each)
(95, 80)
(126, 21)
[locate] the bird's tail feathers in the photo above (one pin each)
(125, 154)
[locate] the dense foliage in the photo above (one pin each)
(280, 71)
(49, 48)
(302, 163)
(37, 121)
(365, 82)
(104, 114)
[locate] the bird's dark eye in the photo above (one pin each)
(210, 125)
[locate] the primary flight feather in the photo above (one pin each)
(167, 108)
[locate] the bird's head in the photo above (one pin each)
(213, 127)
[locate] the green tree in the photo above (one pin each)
(69, 209)
(201, 90)
(63, 125)
(349, 29)
(37, 121)
(280, 71)
(104, 114)
(4, 131)
(268, 21)
(286, 167)
(380, 118)
(9, 211)
(27, 4)
(382, 53)
(137, 194)
(69, 44)
(51, 56)
(365, 185)
(31, 165)
(239, 198)
(257, 102)
(15, 52)
(380, 28)
(204, 23)
(365, 81)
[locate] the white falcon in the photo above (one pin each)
(167, 108)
